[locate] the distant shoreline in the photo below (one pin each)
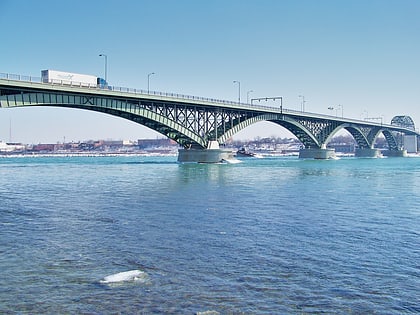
(84, 154)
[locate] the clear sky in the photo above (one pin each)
(360, 54)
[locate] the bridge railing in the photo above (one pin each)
(19, 77)
(25, 78)
(185, 97)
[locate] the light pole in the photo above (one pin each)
(239, 89)
(342, 110)
(247, 96)
(331, 109)
(366, 114)
(148, 81)
(106, 65)
(303, 103)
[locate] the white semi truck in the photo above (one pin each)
(69, 78)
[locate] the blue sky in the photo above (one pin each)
(360, 54)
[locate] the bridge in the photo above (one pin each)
(201, 126)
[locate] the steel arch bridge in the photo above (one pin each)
(194, 122)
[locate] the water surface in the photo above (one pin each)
(266, 236)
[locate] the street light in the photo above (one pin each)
(342, 110)
(106, 65)
(148, 81)
(303, 103)
(247, 96)
(366, 114)
(239, 93)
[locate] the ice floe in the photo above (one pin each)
(125, 276)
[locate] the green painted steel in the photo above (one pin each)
(193, 121)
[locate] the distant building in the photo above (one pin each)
(410, 143)
(153, 143)
(11, 147)
(343, 147)
(43, 148)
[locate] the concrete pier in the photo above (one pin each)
(393, 153)
(318, 154)
(367, 153)
(213, 154)
(204, 155)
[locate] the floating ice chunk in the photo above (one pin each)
(231, 161)
(132, 275)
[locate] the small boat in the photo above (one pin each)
(242, 152)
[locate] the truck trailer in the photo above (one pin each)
(69, 78)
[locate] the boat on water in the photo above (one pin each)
(242, 152)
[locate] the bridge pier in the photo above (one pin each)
(395, 153)
(317, 153)
(213, 154)
(367, 153)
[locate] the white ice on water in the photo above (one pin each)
(125, 276)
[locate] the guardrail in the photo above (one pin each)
(25, 78)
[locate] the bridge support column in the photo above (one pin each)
(367, 153)
(395, 153)
(213, 154)
(318, 154)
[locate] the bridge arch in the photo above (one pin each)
(403, 121)
(301, 132)
(242, 125)
(366, 137)
(146, 115)
(389, 137)
(392, 141)
(356, 132)
(162, 124)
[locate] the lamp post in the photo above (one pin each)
(247, 96)
(148, 81)
(342, 110)
(303, 103)
(106, 65)
(239, 91)
(366, 114)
